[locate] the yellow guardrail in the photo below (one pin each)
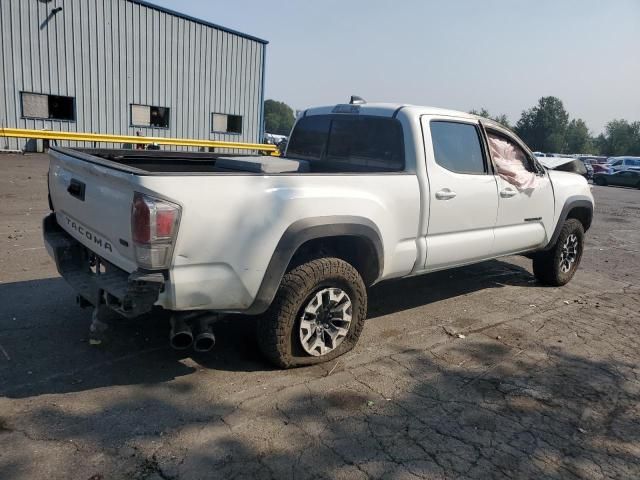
(101, 137)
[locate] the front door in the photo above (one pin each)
(525, 215)
(463, 200)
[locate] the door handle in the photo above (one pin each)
(76, 189)
(445, 194)
(508, 192)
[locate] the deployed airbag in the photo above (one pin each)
(510, 162)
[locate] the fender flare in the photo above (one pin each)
(571, 203)
(301, 232)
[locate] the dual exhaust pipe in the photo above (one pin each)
(183, 335)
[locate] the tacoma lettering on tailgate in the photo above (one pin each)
(82, 230)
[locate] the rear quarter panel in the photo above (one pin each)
(231, 224)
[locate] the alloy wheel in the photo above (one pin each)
(569, 253)
(325, 321)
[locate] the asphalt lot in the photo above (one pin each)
(544, 384)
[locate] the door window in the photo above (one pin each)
(511, 161)
(457, 147)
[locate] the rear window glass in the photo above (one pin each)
(349, 143)
(309, 138)
(456, 147)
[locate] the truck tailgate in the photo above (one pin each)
(93, 204)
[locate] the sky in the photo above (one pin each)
(502, 55)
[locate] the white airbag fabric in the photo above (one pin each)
(510, 163)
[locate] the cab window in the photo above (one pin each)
(457, 147)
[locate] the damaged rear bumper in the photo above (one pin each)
(97, 281)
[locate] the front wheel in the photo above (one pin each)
(317, 314)
(558, 265)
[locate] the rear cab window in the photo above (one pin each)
(348, 143)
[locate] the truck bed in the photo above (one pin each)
(163, 162)
(160, 161)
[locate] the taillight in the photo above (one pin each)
(154, 225)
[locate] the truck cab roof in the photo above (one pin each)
(384, 110)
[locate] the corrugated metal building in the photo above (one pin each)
(126, 66)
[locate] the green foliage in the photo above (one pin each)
(483, 112)
(621, 138)
(501, 119)
(544, 126)
(578, 138)
(278, 117)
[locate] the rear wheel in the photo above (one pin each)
(558, 265)
(317, 315)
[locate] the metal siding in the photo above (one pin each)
(108, 54)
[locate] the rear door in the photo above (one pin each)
(463, 201)
(93, 204)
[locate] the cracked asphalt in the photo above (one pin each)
(544, 384)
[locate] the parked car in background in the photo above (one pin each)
(626, 178)
(618, 164)
(597, 164)
(590, 171)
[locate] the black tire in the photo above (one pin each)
(278, 331)
(600, 181)
(547, 264)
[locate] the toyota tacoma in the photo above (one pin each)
(364, 193)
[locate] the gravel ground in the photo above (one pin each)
(544, 384)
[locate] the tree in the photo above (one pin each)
(278, 117)
(621, 138)
(501, 119)
(483, 112)
(578, 138)
(544, 126)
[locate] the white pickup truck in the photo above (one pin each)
(365, 193)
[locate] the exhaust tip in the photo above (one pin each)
(181, 336)
(181, 340)
(204, 342)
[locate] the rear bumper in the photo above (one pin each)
(129, 294)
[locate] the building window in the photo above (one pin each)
(50, 107)
(223, 123)
(149, 116)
